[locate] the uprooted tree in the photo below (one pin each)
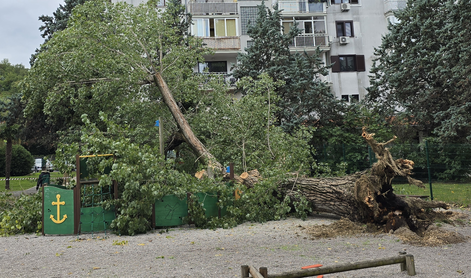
(368, 196)
(131, 64)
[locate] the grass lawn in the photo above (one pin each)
(24, 182)
(456, 193)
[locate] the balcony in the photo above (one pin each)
(222, 43)
(310, 40)
(301, 6)
(219, 77)
(391, 6)
(212, 7)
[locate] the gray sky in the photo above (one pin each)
(19, 27)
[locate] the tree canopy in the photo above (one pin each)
(304, 97)
(55, 23)
(105, 61)
(10, 77)
(423, 66)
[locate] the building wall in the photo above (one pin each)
(369, 17)
(369, 23)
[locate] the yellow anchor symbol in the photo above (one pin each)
(58, 203)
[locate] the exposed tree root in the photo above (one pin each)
(368, 196)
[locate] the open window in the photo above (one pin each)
(213, 67)
(215, 27)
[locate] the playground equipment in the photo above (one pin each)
(78, 210)
(406, 262)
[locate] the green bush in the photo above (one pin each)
(19, 216)
(21, 161)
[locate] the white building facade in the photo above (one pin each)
(347, 31)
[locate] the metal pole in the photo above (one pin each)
(161, 142)
(429, 171)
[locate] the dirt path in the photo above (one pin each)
(189, 252)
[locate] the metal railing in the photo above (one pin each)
(223, 77)
(301, 6)
(394, 5)
(213, 8)
(310, 40)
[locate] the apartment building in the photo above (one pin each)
(347, 31)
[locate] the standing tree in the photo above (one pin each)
(11, 116)
(12, 124)
(423, 66)
(305, 97)
(10, 77)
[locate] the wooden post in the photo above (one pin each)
(253, 271)
(244, 271)
(42, 228)
(77, 193)
(153, 216)
(410, 265)
(403, 264)
(407, 259)
(263, 271)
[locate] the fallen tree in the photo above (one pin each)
(368, 196)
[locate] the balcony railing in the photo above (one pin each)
(394, 5)
(212, 8)
(227, 43)
(301, 6)
(310, 40)
(220, 77)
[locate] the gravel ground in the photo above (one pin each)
(188, 252)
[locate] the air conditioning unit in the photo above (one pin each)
(345, 7)
(344, 40)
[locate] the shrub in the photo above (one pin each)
(19, 216)
(21, 161)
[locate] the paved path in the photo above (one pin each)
(29, 191)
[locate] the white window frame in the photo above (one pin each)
(225, 26)
(202, 26)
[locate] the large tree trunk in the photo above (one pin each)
(8, 150)
(330, 195)
(367, 196)
(205, 157)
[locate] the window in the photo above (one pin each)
(345, 63)
(225, 27)
(351, 98)
(344, 1)
(308, 24)
(248, 16)
(344, 28)
(160, 3)
(219, 66)
(215, 27)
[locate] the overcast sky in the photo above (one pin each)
(19, 27)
